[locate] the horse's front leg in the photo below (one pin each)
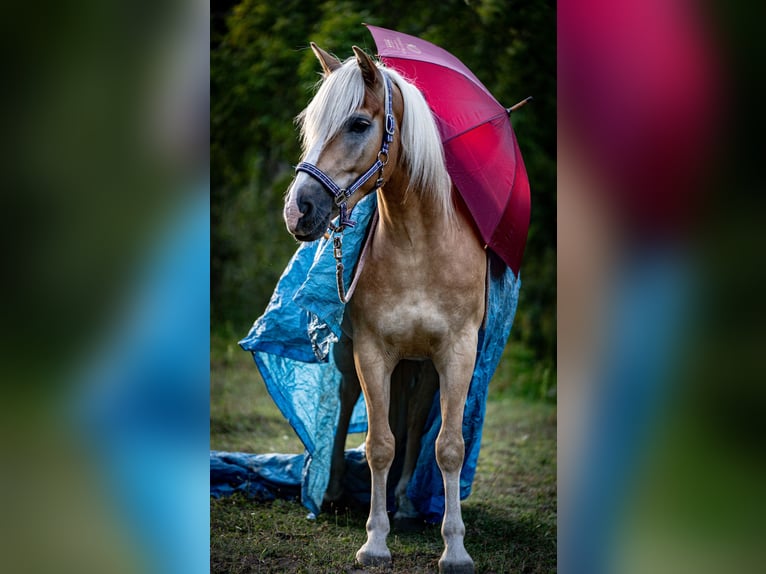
(455, 369)
(374, 370)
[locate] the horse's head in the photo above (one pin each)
(343, 130)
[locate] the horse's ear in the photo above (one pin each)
(329, 62)
(368, 67)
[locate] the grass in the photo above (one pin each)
(510, 517)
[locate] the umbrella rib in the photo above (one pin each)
(500, 115)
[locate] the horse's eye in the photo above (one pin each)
(359, 126)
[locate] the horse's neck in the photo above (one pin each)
(411, 222)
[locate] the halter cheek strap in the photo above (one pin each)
(342, 195)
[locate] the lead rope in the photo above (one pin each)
(337, 251)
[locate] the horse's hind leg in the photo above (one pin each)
(343, 354)
(455, 368)
(421, 395)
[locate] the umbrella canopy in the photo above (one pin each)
(482, 154)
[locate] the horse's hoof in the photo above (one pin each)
(366, 557)
(461, 567)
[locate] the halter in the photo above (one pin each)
(341, 195)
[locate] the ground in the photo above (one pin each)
(510, 516)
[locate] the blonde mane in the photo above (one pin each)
(342, 92)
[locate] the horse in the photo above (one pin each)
(420, 295)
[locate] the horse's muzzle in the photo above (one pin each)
(308, 209)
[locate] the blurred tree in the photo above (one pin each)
(262, 76)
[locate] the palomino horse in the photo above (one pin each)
(421, 292)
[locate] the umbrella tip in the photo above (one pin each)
(515, 107)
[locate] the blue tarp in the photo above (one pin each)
(292, 342)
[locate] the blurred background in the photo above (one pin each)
(263, 74)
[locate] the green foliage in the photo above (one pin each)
(262, 76)
(521, 374)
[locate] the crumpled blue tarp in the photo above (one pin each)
(292, 342)
(260, 476)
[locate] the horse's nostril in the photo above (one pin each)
(305, 206)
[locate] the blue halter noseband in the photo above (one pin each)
(342, 195)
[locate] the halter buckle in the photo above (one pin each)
(390, 125)
(383, 157)
(341, 198)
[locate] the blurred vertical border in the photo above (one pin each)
(105, 208)
(660, 295)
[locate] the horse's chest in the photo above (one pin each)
(407, 327)
(415, 303)
(411, 315)
(412, 318)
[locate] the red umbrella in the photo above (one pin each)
(483, 156)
